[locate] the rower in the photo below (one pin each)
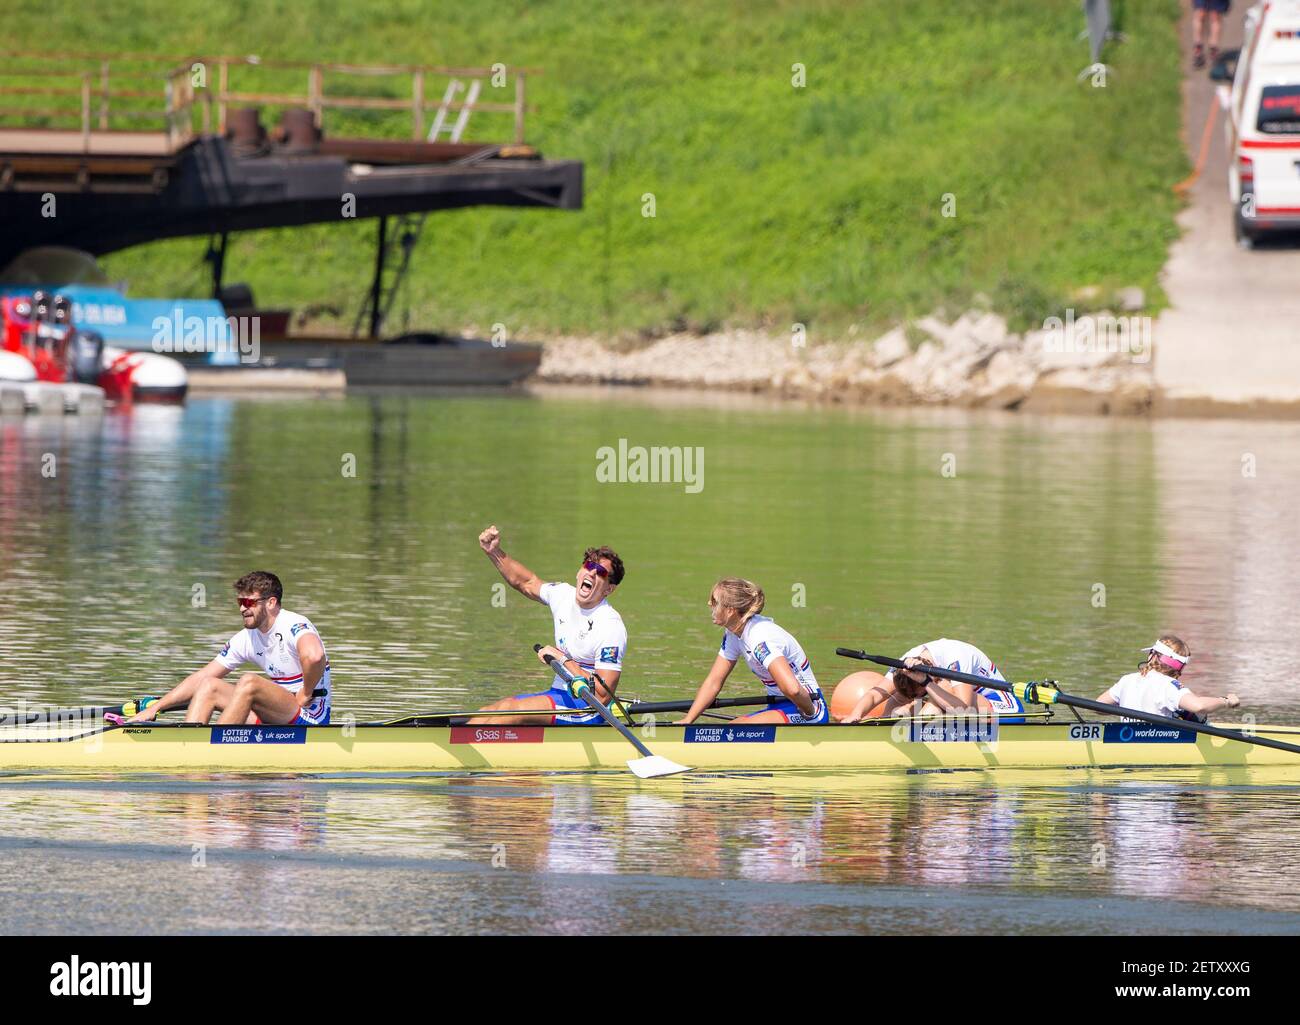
(590, 638)
(1155, 687)
(287, 648)
(772, 654)
(900, 688)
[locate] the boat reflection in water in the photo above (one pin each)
(510, 852)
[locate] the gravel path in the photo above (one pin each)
(1232, 332)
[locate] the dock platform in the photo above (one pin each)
(124, 168)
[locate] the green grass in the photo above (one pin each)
(775, 204)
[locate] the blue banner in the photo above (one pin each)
(730, 734)
(1144, 733)
(254, 735)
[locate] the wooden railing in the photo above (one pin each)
(197, 92)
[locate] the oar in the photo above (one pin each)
(1047, 694)
(648, 765)
(650, 707)
(635, 708)
(128, 708)
(125, 710)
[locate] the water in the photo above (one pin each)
(1058, 545)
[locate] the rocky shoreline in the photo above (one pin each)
(1095, 364)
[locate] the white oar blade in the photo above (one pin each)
(655, 765)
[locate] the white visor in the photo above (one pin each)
(1163, 649)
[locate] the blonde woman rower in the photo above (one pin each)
(771, 653)
(1155, 687)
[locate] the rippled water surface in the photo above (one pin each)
(1058, 545)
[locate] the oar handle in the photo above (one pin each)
(560, 670)
(583, 690)
(883, 660)
(127, 709)
(60, 714)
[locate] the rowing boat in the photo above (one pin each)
(952, 743)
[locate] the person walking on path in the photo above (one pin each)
(1216, 9)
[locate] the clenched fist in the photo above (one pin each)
(490, 540)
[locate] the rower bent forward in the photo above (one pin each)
(911, 691)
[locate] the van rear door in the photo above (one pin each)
(1274, 148)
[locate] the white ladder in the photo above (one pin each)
(448, 97)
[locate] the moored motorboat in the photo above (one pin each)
(39, 342)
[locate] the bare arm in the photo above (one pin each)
(605, 681)
(901, 686)
(784, 676)
(1203, 704)
(1105, 698)
(182, 692)
(868, 701)
(515, 573)
(947, 702)
(311, 653)
(708, 692)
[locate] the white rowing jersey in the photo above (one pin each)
(762, 642)
(276, 652)
(1155, 693)
(594, 638)
(966, 658)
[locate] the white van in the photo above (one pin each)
(1264, 122)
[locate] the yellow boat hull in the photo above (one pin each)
(932, 744)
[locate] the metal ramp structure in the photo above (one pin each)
(134, 148)
(394, 249)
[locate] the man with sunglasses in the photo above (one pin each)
(283, 644)
(590, 638)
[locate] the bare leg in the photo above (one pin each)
(533, 704)
(258, 696)
(211, 695)
(179, 695)
(762, 717)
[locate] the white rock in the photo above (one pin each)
(1131, 298)
(946, 335)
(927, 353)
(987, 328)
(1006, 380)
(890, 348)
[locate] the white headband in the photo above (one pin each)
(1160, 648)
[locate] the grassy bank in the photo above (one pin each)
(821, 204)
